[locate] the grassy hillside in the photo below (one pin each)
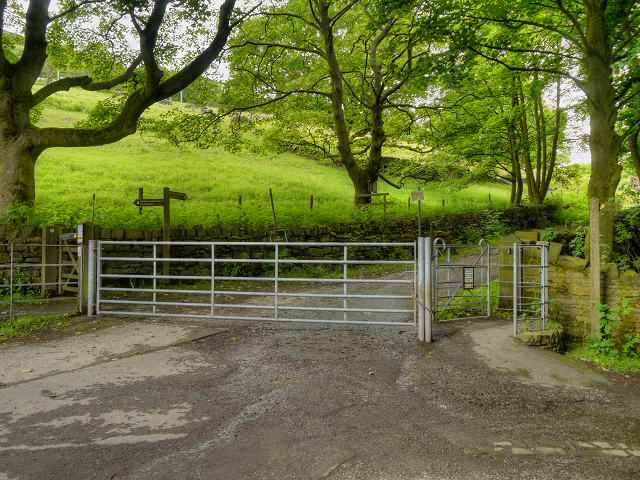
(213, 179)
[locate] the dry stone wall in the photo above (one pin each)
(449, 226)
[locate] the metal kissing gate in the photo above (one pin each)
(415, 284)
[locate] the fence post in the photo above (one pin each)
(86, 232)
(422, 306)
(595, 261)
(49, 257)
(428, 290)
(516, 254)
(91, 277)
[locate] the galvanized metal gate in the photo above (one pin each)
(530, 287)
(485, 279)
(230, 281)
(461, 286)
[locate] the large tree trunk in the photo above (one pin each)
(17, 173)
(604, 142)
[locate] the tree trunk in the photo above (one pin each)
(604, 142)
(17, 173)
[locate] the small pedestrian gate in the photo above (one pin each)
(462, 286)
(238, 280)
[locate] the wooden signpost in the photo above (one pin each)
(166, 223)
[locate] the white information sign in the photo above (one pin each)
(468, 277)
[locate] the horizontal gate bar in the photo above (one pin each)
(262, 244)
(257, 279)
(265, 319)
(269, 261)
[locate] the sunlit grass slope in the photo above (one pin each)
(213, 180)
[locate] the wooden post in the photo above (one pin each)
(489, 198)
(409, 204)
(49, 257)
(432, 232)
(311, 203)
(166, 230)
(594, 241)
(443, 202)
(140, 197)
(273, 210)
(240, 200)
(419, 219)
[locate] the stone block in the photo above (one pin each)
(27, 231)
(315, 252)
(574, 263)
(555, 249)
(200, 231)
(610, 271)
(133, 234)
(578, 289)
(629, 277)
(509, 241)
(117, 232)
(528, 237)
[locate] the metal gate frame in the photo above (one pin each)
(97, 276)
(424, 283)
(524, 307)
(530, 307)
(455, 283)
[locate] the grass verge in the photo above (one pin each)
(620, 365)
(24, 326)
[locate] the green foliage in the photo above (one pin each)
(548, 235)
(104, 112)
(629, 191)
(490, 227)
(20, 213)
(576, 245)
(626, 252)
(604, 343)
(22, 287)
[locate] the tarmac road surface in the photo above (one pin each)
(187, 399)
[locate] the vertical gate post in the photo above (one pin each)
(516, 255)
(86, 232)
(594, 261)
(422, 306)
(50, 247)
(91, 277)
(428, 290)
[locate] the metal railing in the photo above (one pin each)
(31, 278)
(260, 289)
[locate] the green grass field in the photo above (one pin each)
(213, 179)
